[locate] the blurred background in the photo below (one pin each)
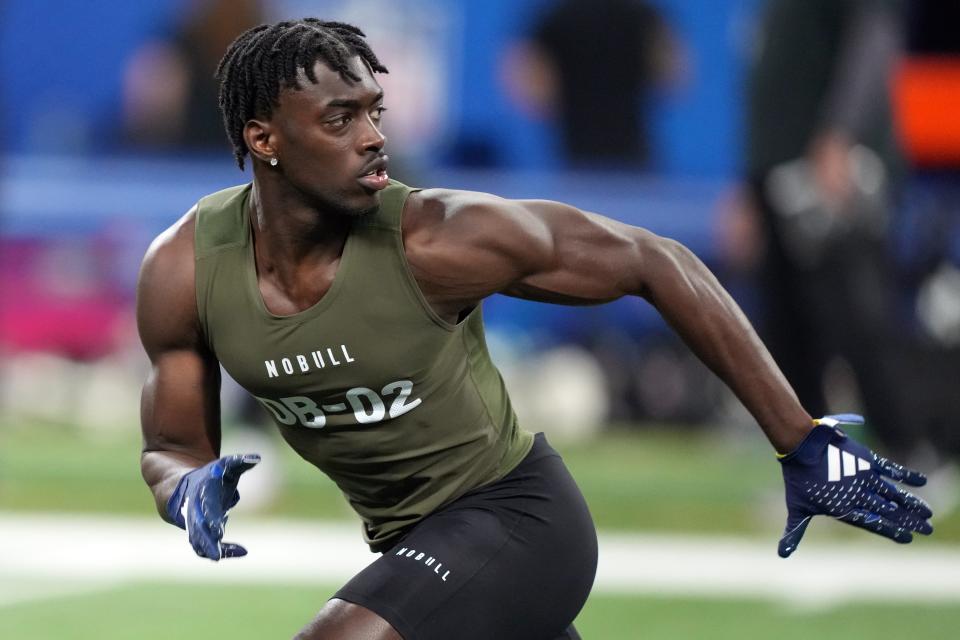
(807, 150)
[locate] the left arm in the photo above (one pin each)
(595, 258)
(464, 246)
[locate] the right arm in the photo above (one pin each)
(180, 404)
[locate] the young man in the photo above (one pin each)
(349, 305)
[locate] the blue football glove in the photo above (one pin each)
(201, 501)
(832, 474)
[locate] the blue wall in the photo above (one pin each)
(61, 64)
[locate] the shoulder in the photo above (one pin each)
(469, 220)
(166, 292)
(532, 229)
(431, 206)
(463, 246)
(171, 253)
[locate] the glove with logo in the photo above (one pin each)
(201, 501)
(832, 474)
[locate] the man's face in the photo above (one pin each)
(327, 138)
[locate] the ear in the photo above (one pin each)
(258, 136)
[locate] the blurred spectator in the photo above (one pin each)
(170, 95)
(823, 165)
(928, 101)
(593, 65)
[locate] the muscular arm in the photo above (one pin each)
(464, 246)
(179, 410)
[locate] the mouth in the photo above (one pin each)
(374, 176)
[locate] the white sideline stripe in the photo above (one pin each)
(849, 464)
(27, 590)
(833, 463)
(71, 553)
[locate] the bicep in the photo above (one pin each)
(180, 410)
(586, 258)
(466, 246)
(179, 418)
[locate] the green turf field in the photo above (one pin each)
(163, 611)
(652, 480)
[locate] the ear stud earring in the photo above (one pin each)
(273, 162)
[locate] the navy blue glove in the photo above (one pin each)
(832, 474)
(201, 501)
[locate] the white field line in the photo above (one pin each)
(50, 555)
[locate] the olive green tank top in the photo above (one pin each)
(403, 410)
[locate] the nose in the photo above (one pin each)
(372, 139)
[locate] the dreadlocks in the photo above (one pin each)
(265, 59)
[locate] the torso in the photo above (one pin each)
(400, 405)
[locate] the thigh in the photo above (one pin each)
(340, 620)
(515, 560)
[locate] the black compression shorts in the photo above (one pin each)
(513, 560)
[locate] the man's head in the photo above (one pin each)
(266, 59)
(302, 92)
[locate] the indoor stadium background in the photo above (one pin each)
(685, 490)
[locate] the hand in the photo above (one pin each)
(833, 474)
(830, 160)
(201, 501)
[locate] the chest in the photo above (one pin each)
(301, 292)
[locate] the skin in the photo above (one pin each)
(461, 246)
(829, 156)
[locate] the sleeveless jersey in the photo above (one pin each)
(403, 410)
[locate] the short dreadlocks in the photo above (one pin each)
(265, 59)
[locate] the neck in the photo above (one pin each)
(290, 234)
(289, 228)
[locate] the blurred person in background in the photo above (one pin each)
(824, 166)
(593, 64)
(350, 306)
(594, 69)
(169, 93)
(928, 101)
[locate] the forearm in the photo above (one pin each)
(162, 470)
(180, 427)
(698, 308)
